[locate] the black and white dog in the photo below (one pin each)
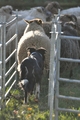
(31, 70)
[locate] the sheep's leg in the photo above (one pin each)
(37, 92)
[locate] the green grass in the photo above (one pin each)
(15, 110)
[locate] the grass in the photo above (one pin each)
(16, 110)
(70, 89)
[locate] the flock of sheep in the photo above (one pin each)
(39, 35)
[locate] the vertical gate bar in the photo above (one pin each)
(49, 88)
(0, 67)
(16, 42)
(3, 58)
(58, 70)
(51, 74)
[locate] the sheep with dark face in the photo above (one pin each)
(53, 7)
(31, 70)
(63, 18)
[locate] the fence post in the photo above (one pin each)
(3, 34)
(16, 42)
(58, 70)
(0, 68)
(52, 70)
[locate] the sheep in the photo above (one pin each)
(69, 47)
(66, 18)
(35, 12)
(47, 28)
(31, 70)
(38, 12)
(72, 11)
(53, 7)
(7, 11)
(34, 36)
(63, 18)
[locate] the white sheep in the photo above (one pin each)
(7, 11)
(34, 36)
(36, 12)
(72, 11)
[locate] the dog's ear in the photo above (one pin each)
(42, 51)
(31, 50)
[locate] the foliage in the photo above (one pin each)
(16, 111)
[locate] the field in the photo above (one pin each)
(39, 110)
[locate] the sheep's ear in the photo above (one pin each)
(39, 21)
(31, 50)
(27, 21)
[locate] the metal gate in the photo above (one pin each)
(54, 75)
(8, 68)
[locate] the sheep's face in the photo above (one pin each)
(70, 28)
(7, 9)
(53, 7)
(68, 18)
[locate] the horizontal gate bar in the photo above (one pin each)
(10, 69)
(11, 39)
(10, 78)
(69, 60)
(8, 58)
(69, 37)
(68, 110)
(10, 88)
(11, 22)
(68, 97)
(69, 80)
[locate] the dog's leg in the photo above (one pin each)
(37, 92)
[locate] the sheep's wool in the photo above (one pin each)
(34, 38)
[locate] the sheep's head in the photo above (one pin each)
(7, 9)
(34, 24)
(70, 28)
(38, 21)
(68, 18)
(53, 7)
